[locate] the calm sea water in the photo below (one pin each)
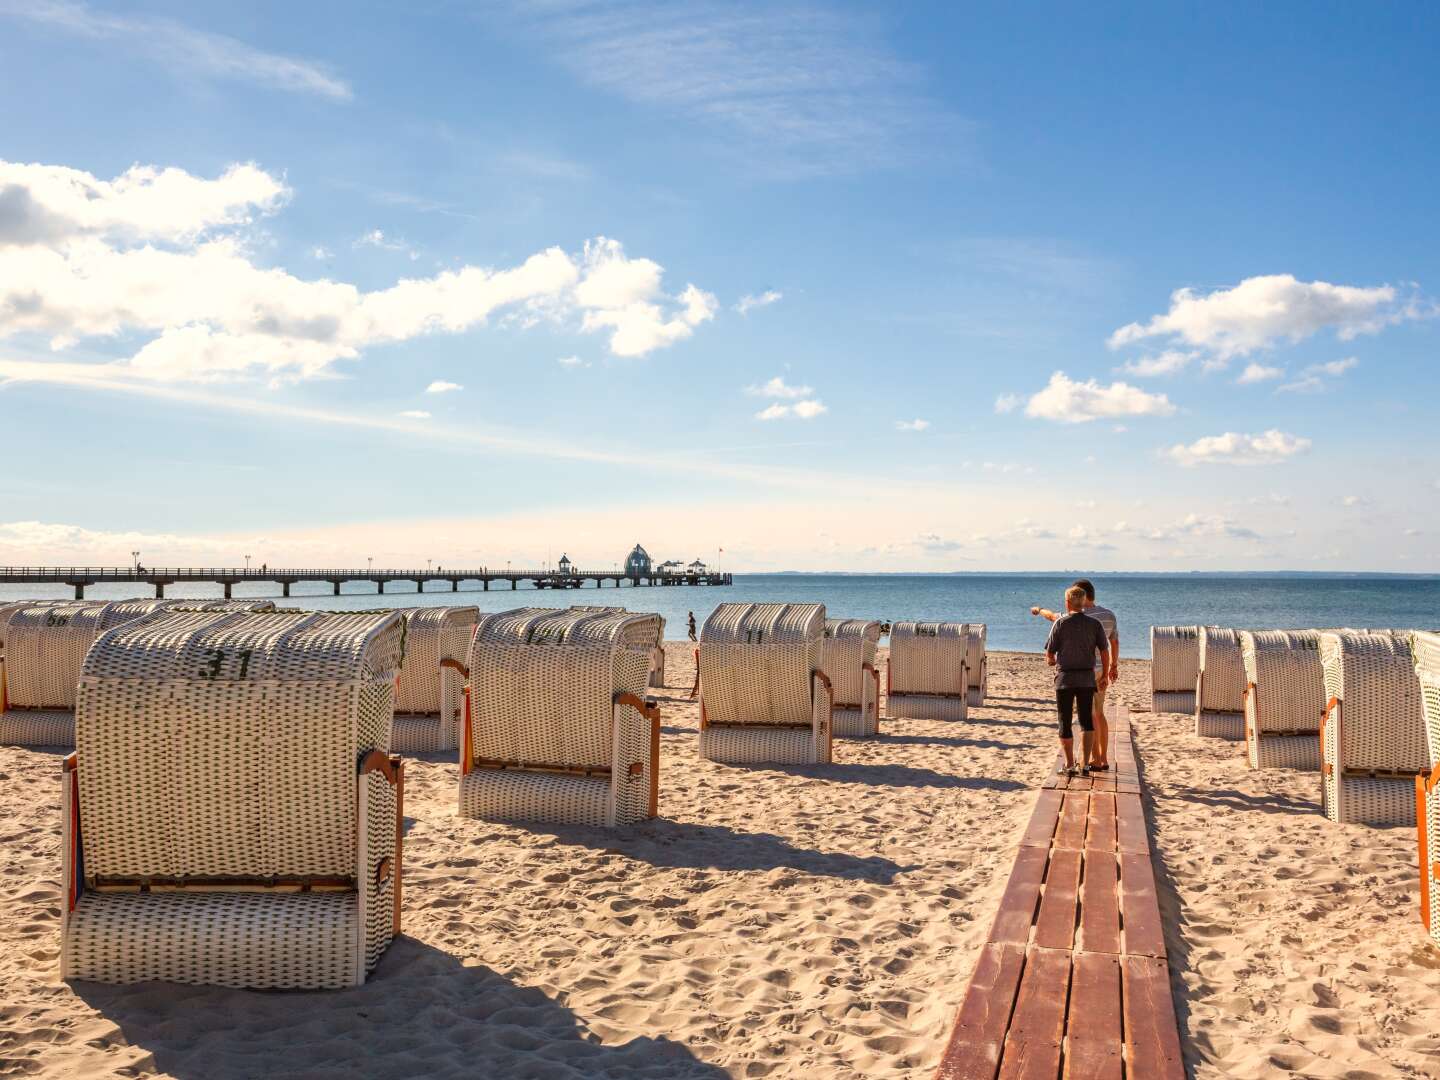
(1002, 602)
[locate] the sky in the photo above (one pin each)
(821, 286)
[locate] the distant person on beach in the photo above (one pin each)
(692, 626)
(1107, 619)
(1074, 641)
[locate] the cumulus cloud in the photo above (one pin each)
(1255, 373)
(572, 362)
(321, 253)
(750, 302)
(1007, 403)
(1069, 402)
(1230, 448)
(1264, 310)
(1166, 363)
(416, 414)
(779, 388)
(1315, 378)
(440, 386)
(912, 425)
(376, 238)
(801, 410)
(161, 255)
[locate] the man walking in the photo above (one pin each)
(1107, 619)
(692, 626)
(1071, 648)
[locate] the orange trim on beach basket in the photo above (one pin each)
(1421, 831)
(465, 744)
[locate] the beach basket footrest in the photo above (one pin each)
(518, 795)
(929, 706)
(420, 733)
(852, 722)
(37, 727)
(1220, 725)
(759, 744)
(241, 939)
(1173, 701)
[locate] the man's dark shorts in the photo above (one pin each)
(1067, 702)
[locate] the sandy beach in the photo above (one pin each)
(778, 922)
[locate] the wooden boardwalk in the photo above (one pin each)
(1072, 981)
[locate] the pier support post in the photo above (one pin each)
(454, 584)
(337, 587)
(227, 590)
(513, 584)
(381, 585)
(285, 588)
(486, 583)
(159, 590)
(79, 592)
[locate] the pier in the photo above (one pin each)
(80, 577)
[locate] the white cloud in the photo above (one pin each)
(176, 46)
(1068, 402)
(1166, 363)
(749, 302)
(1354, 501)
(572, 362)
(1007, 403)
(1269, 500)
(155, 254)
(50, 206)
(912, 425)
(321, 253)
(1313, 379)
(779, 388)
(1261, 311)
(1255, 373)
(376, 238)
(440, 386)
(1233, 449)
(803, 410)
(416, 414)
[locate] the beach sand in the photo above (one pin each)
(782, 922)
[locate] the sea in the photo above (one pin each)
(1001, 601)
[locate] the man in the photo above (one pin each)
(1107, 619)
(692, 626)
(1074, 641)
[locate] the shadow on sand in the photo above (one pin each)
(689, 845)
(423, 1012)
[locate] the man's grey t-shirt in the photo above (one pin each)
(1106, 618)
(1074, 639)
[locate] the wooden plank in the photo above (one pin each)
(1122, 788)
(1140, 906)
(1037, 1029)
(1100, 831)
(1093, 1028)
(1152, 1042)
(1130, 823)
(1080, 783)
(973, 1052)
(1044, 819)
(1071, 831)
(1022, 896)
(1100, 904)
(1055, 925)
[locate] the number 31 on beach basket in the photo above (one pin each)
(231, 813)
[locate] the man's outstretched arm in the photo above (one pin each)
(1044, 613)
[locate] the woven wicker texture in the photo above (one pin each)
(252, 768)
(1220, 689)
(756, 662)
(225, 745)
(1377, 725)
(657, 668)
(1430, 857)
(44, 648)
(848, 645)
(1286, 695)
(927, 707)
(758, 745)
(37, 727)
(929, 658)
(543, 683)
(1425, 651)
(429, 698)
(976, 667)
(1174, 667)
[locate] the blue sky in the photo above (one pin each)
(800, 281)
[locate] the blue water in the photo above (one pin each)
(1002, 601)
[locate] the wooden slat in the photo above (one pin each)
(1140, 906)
(1130, 823)
(1055, 925)
(1100, 831)
(1152, 1041)
(1080, 783)
(1071, 831)
(1100, 904)
(973, 1052)
(1093, 1029)
(1043, 821)
(1032, 1046)
(1022, 896)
